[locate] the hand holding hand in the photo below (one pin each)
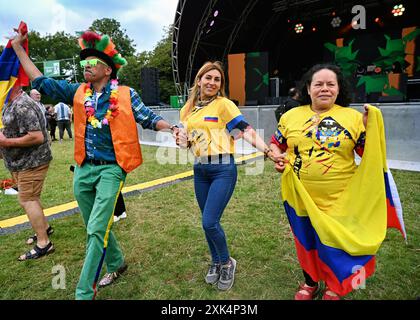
(181, 138)
(281, 162)
(268, 153)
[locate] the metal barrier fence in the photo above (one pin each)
(402, 127)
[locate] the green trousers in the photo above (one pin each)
(96, 190)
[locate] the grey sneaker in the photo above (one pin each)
(109, 278)
(213, 274)
(227, 275)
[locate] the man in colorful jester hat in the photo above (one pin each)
(106, 146)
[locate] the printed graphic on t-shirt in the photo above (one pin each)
(327, 135)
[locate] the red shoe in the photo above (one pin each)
(306, 292)
(330, 295)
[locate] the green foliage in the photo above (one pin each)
(58, 46)
(374, 83)
(112, 28)
(160, 58)
(378, 83)
(344, 57)
(65, 46)
(393, 92)
(393, 52)
(52, 47)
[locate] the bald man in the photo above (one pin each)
(27, 154)
(36, 96)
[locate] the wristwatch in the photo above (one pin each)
(173, 126)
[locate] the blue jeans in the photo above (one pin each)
(214, 184)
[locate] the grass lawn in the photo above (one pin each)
(165, 247)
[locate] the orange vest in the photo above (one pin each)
(123, 130)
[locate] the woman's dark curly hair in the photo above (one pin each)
(343, 98)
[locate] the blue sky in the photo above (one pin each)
(143, 20)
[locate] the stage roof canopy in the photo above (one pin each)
(212, 29)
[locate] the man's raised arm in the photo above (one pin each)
(31, 70)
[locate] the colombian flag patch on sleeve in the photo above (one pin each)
(211, 119)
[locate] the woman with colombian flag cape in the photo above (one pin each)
(338, 212)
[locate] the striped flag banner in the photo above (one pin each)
(339, 246)
(11, 72)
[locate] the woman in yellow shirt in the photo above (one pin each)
(210, 120)
(319, 139)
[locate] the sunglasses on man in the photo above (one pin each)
(91, 62)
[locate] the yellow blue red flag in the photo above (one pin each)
(11, 72)
(339, 246)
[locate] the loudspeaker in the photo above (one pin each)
(413, 89)
(149, 86)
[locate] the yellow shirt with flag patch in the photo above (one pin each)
(356, 222)
(208, 127)
(320, 148)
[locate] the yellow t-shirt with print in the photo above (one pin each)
(208, 127)
(320, 148)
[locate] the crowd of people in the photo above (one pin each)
(105, 116)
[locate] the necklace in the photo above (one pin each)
(203, 103)
(112, 111)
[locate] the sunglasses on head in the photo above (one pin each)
(91, 62)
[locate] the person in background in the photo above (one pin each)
(36, 96)
(291, 102)
(52, 121)
(63, 115)
(25, 147)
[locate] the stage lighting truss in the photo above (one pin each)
(335, 22)
(398, 10)
(298, 28)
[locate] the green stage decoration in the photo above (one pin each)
(344, 57)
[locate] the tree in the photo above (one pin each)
(59, 46)
(112, 28)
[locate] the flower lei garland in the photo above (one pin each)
(112, 111)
